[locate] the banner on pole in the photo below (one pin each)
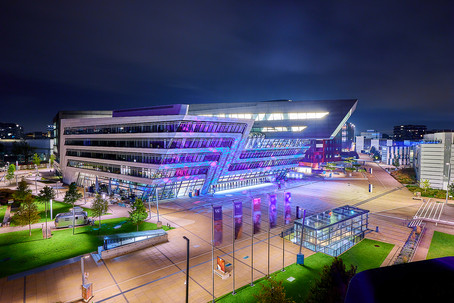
(238, 215)
(287, 208)
(217, 222)
(257, 214)
(272, 211)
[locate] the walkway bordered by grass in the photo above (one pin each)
(20, 252)
(442, 245)
(365, 255)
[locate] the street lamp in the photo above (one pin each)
(187, 269)
(449, 179)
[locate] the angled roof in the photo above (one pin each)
(326, 127)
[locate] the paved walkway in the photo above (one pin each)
(156, 274)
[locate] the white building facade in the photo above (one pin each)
(434, 159)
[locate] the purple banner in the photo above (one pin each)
(287, 208)
(238, 215)
(272, 211)
(217, 222)
(257, 214)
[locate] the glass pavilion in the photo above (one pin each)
(333, 231)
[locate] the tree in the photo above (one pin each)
(44, 196)
(22, 191)
(28, 213)
(425, 184)
(451, 189)
(51, 161)
(36, 159)
(71, 196)
(396, 162)
(333, 283)
(357, 166)
(138, 214)
(349, 161)
(10, 174)
(99, 208)
(272, 292)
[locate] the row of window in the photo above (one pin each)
(159, 127)
(261, 164)
(138, 171)
(271, 129)
(156, 143)
(272, 116)
(248, 175)
(276, 143)
(270, 153)
(147, 158)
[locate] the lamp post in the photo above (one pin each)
(449, 179)
(158, 223)
(187, 269)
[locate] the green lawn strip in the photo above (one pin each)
(364, 255)
(19, 252)
(442, 245)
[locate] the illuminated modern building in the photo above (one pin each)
(179, 149)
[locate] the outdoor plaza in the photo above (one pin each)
(158, 273)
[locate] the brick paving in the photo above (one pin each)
(157, 274)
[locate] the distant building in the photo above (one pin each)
(36, 135)
(331, 150)
(409, 132)
(434, 158)
(364, 145)
(402, 151)
(371, 134)
(348, 137)
(11, 131)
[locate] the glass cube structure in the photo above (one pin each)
(333, 231)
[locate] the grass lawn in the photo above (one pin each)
(442, 245)
(57, 207)
(364, 255)
(20, 252)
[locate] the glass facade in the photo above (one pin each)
(160, 127)
(154, 143)
(117, 240)
(272, 116)
(146, 157)
(333, 231)
(141, 172)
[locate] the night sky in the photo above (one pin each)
(396, 57)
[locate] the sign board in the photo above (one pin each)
(221, 265)
(87, 292)
(10, 201)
